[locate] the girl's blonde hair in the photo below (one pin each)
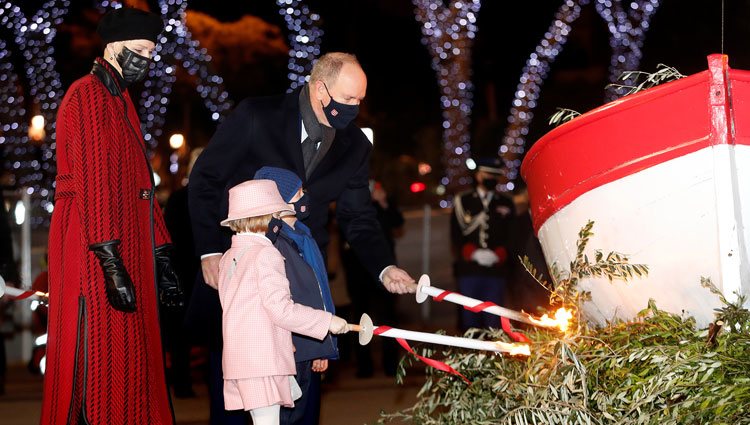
(257, 224)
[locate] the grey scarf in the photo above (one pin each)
(316, 131)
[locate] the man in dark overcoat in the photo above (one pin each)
(310, 131)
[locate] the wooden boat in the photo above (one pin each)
(665, 175)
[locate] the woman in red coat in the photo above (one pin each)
(108, 246)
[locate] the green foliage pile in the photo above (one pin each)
(657, 369)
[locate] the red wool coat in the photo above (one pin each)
(103, 365)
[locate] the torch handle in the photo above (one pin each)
(471, 302)
(455, 341)
(16, 293)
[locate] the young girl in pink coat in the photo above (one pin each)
(257, 310)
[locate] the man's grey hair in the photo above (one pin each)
(328, 67)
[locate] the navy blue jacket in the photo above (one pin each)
(305, 290)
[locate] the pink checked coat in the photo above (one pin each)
(258, 313)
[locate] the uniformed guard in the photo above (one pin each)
(481, 231)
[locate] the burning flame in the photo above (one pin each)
(514, 349)
(561, 320)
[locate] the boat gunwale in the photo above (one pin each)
(611, 108)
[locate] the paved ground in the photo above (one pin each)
(347, 400)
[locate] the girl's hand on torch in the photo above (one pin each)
(338, 325)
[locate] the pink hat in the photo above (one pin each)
(255, 198)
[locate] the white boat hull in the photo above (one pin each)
(681, 218)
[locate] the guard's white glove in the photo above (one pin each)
(485, 257)
(338, 325)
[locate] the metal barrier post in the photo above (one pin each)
(426, 238)
(26, 337)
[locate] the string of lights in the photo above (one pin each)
(176, 47)
(627, 23)
(34, 165)
(627, 26)
(304, 37)
(14, 126)
(529, 87)
(448, 33)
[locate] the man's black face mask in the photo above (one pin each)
(339, 115)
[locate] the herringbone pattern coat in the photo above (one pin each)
(103, 366)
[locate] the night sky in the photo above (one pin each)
(402, 103)
(403, 94)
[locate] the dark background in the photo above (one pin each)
(402, 101)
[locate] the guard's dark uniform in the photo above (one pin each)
(482, 225)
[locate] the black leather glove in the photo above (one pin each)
(119, 286)
(170, 291)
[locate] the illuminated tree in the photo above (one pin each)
(304, 38)
(627, 25)
(448, 33)
(33, 166)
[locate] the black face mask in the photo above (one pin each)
(489, 183)
(339, 114)
(302, 207)
(274, 227)
(134, 66)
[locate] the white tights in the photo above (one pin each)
(270, 415)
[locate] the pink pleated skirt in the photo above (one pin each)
(252, 393)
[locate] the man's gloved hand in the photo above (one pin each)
(170, 292)
(485, 257)
(119, 286)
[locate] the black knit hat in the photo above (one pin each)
(129, 24)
